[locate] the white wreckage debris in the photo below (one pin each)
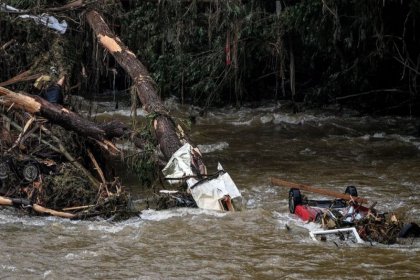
(214, 192)
(44, 19)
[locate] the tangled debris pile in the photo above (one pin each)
(45, 165)
(370, 225)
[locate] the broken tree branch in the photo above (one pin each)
(57, 114)
(22, 77)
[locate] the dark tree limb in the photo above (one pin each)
(59, 115)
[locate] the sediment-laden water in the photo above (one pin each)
(381, 156)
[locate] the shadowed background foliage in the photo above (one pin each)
(364, 54)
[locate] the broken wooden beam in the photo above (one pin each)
(283, 183)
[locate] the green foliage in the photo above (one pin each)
(184, 46)
(339, 48)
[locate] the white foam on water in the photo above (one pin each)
(112, 228)
(407, 139)
(81, 255)
(154, 215)
(416, 144)
(251, 203)
(241, 123)
(266, 119)
(307, 151)
(379, 135)
(109, 227)
(209, 148)
(8, 217)
(47, 273)
(402, 138)
(297, 118)
(8, 267)
(365, 137)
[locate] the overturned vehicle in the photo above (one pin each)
(345, 216)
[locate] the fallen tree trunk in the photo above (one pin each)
(142, 82)
(57, 114)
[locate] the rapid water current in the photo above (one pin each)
(381, 156)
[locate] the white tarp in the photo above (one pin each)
(179, 165)
(49, 21)
(44, 19)
(208, 193)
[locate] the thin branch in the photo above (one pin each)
(391, 90)
(407, 65)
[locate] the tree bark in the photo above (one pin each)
(59, 115)
(145, 86)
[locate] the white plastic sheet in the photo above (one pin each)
(179, 165)
(44, 19)
(49, 21)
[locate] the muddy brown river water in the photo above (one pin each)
(381, 156)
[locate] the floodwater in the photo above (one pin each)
(381, 156)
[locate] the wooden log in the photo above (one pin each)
(282, 183)
(59, 115)
(142, 82)
(5, 201)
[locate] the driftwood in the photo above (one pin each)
(282, 183)
(5, 201)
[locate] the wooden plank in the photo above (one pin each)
(283, 183)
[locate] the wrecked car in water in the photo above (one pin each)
(346, 216)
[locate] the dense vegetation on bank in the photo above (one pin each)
(364, 54)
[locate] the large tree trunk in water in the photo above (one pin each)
(146, 89)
